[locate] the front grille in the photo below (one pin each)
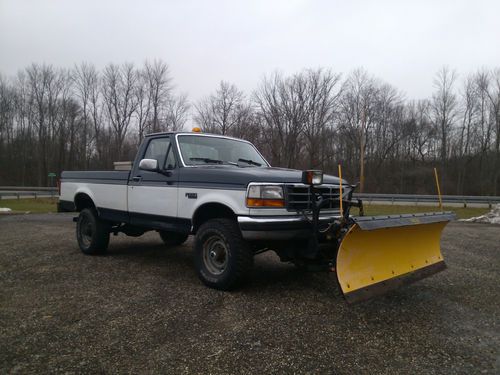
(298, 196)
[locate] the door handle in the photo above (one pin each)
(168, 173)
(137, 178)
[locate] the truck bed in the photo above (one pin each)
(107, 189)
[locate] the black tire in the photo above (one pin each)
(92, 233)
(173, 238)
(223, 260)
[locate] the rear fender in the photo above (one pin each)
(86, 191)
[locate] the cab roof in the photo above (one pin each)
(194, 133)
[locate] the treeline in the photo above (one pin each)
(60, 119)
(54, 119)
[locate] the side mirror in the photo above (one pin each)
(149, 165)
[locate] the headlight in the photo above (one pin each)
(265, 196)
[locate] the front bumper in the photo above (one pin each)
(279, 227)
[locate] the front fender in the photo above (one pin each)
(233, 199)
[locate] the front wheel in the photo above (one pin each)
(222, 258)
(91, 232)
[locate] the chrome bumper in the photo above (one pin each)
(279, 227)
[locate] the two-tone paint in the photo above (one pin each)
(172, 200)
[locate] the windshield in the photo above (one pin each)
(199, 150)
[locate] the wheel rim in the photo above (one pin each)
(86, 231)
(215, 255)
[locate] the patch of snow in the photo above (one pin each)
(492, 217)
(5, 209)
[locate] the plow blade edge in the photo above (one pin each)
(381, 253)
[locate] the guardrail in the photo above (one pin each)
(416, 198)
(27, 191)
(27, 194)
(9, 192)
(27, 188)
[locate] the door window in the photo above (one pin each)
(157, 149)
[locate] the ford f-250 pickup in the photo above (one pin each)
(222, 191)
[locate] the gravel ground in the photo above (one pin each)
(141, 309)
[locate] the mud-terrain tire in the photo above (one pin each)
(172, 238)
(92, 233)
(223, 260)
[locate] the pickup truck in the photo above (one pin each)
(221, 190)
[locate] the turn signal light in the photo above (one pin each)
(258, 202)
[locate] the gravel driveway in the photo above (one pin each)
(141, 309)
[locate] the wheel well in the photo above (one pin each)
(209, 211)
(82, 201)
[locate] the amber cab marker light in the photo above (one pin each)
(258, 202)
(196, 130)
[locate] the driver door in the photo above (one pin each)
(152, 196)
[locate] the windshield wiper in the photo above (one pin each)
(214, 161)
(207, 160)
(251, 162)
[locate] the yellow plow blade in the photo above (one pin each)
(380, 253)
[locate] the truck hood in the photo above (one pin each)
(240, 177)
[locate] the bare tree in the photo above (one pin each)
(444, 103)
(283, 107)
(322, 104)
(7, 116)
(176, 112)
(420, 130)
(85, 83)
(222, 111)
(46, 85)
(358, 111)
(494, 96)
(388, 125)
(143, 99)
(159, 87)
(118, 92)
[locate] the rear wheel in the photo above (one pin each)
(91, 232)
(173, 238)
(222, 258)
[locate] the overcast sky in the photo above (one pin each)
(402, 42)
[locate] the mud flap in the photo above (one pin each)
(380, 253)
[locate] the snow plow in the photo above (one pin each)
(375, 254)
(381, 253)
